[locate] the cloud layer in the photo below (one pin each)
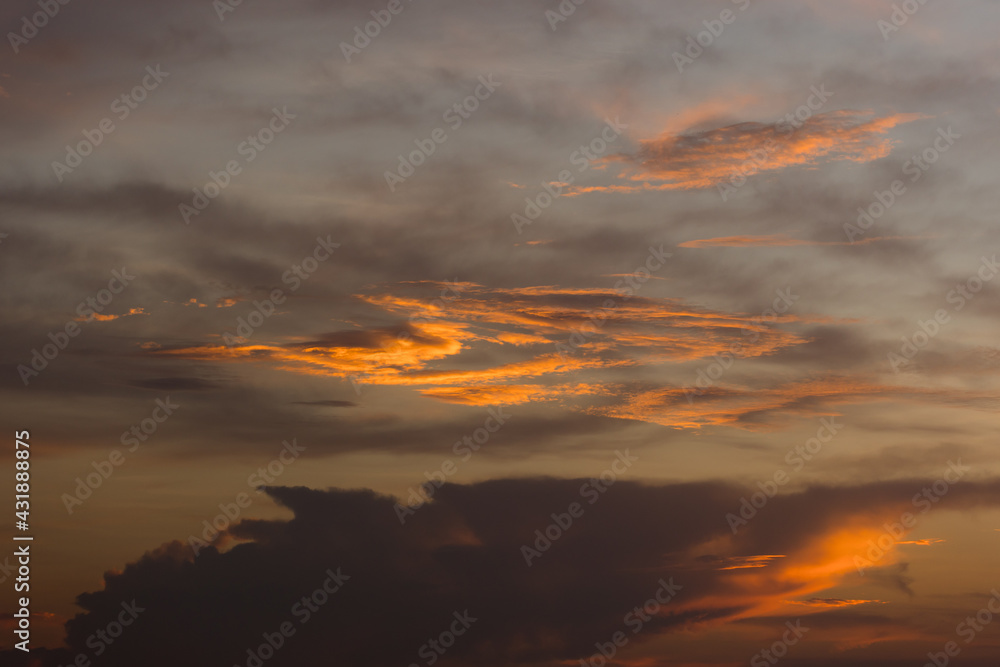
(469, 551)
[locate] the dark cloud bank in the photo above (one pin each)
(398, 585)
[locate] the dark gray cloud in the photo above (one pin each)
(463, 552)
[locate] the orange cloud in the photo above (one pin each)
(709, 110)
(97, 317)
(750, 562)
(818, 565)
(834, 603)
(524, 333)
(700, 160)
(548, 343)
(763, 586)
(781, 240)
(669, 328)
(514, 338)
(768, 585)
(486, 395)
(718, 406)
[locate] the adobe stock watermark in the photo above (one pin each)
(626, 288)
(929, 329)
(915, 168)
(592, 490)
(7, 569)
(302, 611)
(708, 376)
(372, 29)
(779, 649)
(582, 158)
(223, 7)
(248, 150)
(899, 17)
(122, 107)
(967, 630)
(134, 437)
(635, 620)
(294, 278)
(30, 25)
(791, 122)
(797, 457)
(714, 28)
(89, 310)
(455, 117)
(435, 648)
(100, 641)
(230, 512)
(924, 501)
(565, 9)
(463, 449)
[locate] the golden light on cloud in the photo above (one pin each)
(833, 556)
(108, 317)
(768, 584)
(527, 333)
(834, 603)
(670, 406)
(750, 562)
(816, 566)
(698, 160)
(532, 341)
(510, 394)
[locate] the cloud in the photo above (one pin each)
(539, 333)
(756, 408)
(782, 240)
(109, 317)
(529, 342)
(742, 562)
(511, 394)
(174, 384)
(699, 160)
(328, 404)
(833, 603)
(463, 551)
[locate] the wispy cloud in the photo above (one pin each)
(755, 408)
(745, 562)
(518, 330)
(108, 317)
(704, 159)
(834, 603)
(782, 240)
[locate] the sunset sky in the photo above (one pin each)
(641, 333)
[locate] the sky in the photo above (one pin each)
(416, 332)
